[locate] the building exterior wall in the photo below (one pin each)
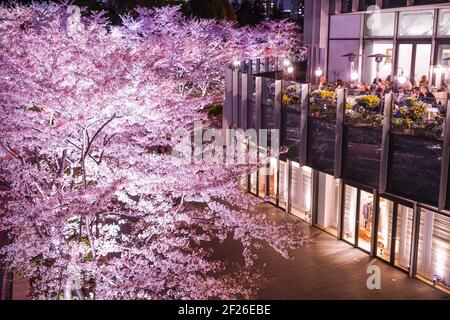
(343, 179)
(331, 27)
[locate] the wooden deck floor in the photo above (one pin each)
(328, 269)
(332, 269)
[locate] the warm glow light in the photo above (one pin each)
(286, 62)
(290, 69)
(354, 75)
(402, 79)
(438, 69)
(319, 72)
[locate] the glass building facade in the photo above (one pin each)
(414, 37)
(402, 224)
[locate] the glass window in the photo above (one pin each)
(366, 215)
(263, 172)
(283, 186)
(253, 178)
(422, 66)
(328, 203)
(345, 26)
(243, 181)
(443, 74)
(301, 184)
(403, 236)
(350, 201)
(364, 4)
(404, 59)
(385, 225)
(379, 25)
(338, 66)
(433, 260)
(394, 3)
(416, 23)
(273, 180)
(370, 66)
(346, 6)
(444, 22)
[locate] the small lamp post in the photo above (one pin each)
(378, 59)
(401, 77)
(236, 65)
(290, 70)
(352, 58)
(318, 72)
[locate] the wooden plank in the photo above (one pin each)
(258, 103)
(277, 106)
(340, 111)
(227, 113)
(304, 124)
(388, 106)
(244, 101)
(236, 75)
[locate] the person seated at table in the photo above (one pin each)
(352, 89)
(339, 84)
(415, 92)
(388, 80)
(373, 90)
(322, 83)
(423, 81)
(363, 89)
(426, 96)
(381, 90)
(377, 81)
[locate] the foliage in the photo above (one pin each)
(212, 9)
(292, 95)
(215, 109)
(96, 206)
(368, 102)
(323, 101)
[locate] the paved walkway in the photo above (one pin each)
(332, 269)
(329, 269)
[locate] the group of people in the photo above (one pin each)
(380, 87)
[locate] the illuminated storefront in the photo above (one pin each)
(413, 39)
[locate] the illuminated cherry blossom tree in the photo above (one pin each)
(95, 205)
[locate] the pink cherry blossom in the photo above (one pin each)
(94, 204)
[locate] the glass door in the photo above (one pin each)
(365, 219)
(273, 180)
(283, 179)
(394, 236)
(413, 61)
(443, 73)
(385, 229)
(403, 234)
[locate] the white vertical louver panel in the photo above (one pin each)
(433, 260)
